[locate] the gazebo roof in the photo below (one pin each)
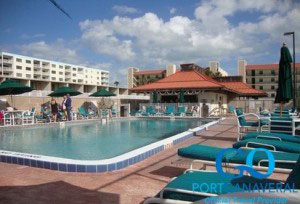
(193, 79)
(182, 80)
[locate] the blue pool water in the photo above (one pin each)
(93, 141)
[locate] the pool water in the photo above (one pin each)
(93, 141)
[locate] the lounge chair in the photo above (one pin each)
(149, 111)
(82, 113)
(183, 189)
(274, 145)
(272, 136)
(245, 125)
(181, 111)
(207, 156)
(169, 110)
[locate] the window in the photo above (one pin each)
(261, 88)
(53, 78)
(253, 86)
(74, 80)
(19, 67)
(272, 87)
(61, 79)
(19, 60)
(61, 73)
(53, 72)
(53, 65)
(60, 66)
(28, 69)
(74, 69)
(19, 74)
(28, 61)
(261, 72)
(74, 75)
(261, 80)
(272, 79)
(273, 72)
(272, 95)
(28, 76)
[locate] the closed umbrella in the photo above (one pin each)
(13, 87)
(154, 97)
(285, 88)
(181, 96)
(64, 91)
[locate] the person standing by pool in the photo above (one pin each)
(54, 109)
(69, 107)
(63, 106)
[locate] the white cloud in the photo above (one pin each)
(57, 51)
(150, 40)
(122, 9)
(173, 10)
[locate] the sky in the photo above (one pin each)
(116, 34)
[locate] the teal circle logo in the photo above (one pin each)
(225, 155)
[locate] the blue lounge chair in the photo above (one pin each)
(182, 189)
(169, 110)
(274, 145)
(272, 136)
(207, 155)
(149, 111)
(83, 113)
(181, 111)
(245, 125)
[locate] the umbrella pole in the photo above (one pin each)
(281, 107)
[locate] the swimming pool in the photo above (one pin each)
(93, 141)
(93, 147)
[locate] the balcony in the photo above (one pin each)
(7, 69)
(7, 61)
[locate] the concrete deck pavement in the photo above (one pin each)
(22, 184)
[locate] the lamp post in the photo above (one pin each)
(294, 66)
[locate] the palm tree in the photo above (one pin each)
(116, 83)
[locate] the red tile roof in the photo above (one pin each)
(243, 89)
(265, 66)
(150, 72)
(182, 79)
(195, 80)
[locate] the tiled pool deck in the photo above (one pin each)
(23, 184)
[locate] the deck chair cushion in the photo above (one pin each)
(283, 137)
(279, 145)
(209, 153)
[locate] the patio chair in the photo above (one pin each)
(82, 113)
(245, 125)
(183, 189)
(114, 113)
(273, 136)
(181, 111)
(169, 110)
(149, 111)
(28, 116)
(43, 117)
(207, 155)
(274, 145)
(7, 119)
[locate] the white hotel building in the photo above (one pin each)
(46, 75)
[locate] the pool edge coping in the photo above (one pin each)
(105, 165)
